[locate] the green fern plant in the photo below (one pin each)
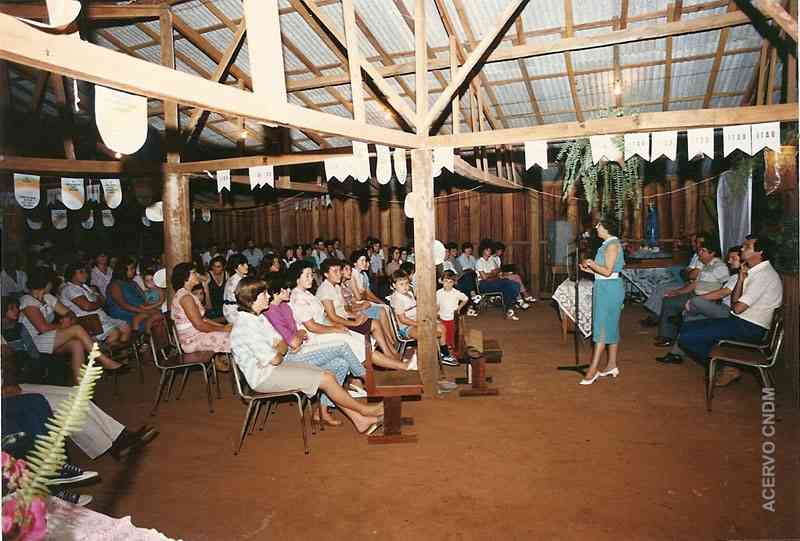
(47, 457)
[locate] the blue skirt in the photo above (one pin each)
(608, 296)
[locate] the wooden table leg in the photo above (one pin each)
(479, 385)
(393, 422)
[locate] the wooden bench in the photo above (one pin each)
(391, 386)
(475, 352)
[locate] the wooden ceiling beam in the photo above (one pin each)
(523, 67)
(573, 87)
(674, 13)
(482, 176)
(773, 10)
(93, 12)
(712, 78)
(56, 166)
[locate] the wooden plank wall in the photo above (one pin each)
(791, 324)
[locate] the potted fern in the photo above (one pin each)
(25, 510)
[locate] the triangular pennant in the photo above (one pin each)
(72, 193)
(443, 158)
(108, 217)
(262, 174)
(121, 119)
(223, 180)
(26, 190)
(383, 169)
(536, 154)
(736, 137)
(699, 142)
(637, 144)
(59, 218)
(112, 191)
(400, 168)
(339, 168)
(88, 223)
(361, 161)
(602, 147)
(766, 135)
(664, 143)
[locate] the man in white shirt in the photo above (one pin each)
(466, 259)
(712, 275)
(687, 274)
(254, 255)
(756, 296)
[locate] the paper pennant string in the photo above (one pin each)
(383, 169)
(262, 174)
(664, 143)
(108, 217)
(361, 161)
(223, 180)
(88, 223)
(59, 218)
(339, 168)
(736, 137)
(637, 144)
(121, 119)
(700, 142)
(26, 190)
(400, 170)
(72, 193)
(112, 191)
(536, 154)
(443, 158)
(766, 135)
(603, 146)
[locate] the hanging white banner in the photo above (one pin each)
(262, 174)
(107, 217)
(339, 168)
(88, 223)
(33, 224)
(637, 144)
(664, 143)
(766, 135)
(93, 193)
(26, 190)
(121, 119)
(383, 169)
(59, 218)
(400, 169)
(602, 146)
(736, 137)
(72, 193)
(155, 212)
(443, 158)
(206, 215)
(112, 191)
(535, 154)
(361, 161)
(699, 142)
(223, 180)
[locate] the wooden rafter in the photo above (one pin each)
(93, 12)
(523, 67)
(474, 60)
(172, 128)
(421, 78)
(773, 10)
(354, 60)
(675, 11)
(712, 78)
(573, 87)
(622, 24)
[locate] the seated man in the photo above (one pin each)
(758, 292)
(713, 305)
(712, 275)
(489, 281)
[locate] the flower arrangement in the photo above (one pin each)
(25, 511)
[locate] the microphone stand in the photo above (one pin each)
(577, 367)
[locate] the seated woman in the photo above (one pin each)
(310, 312)
(217, 278)
(259, 352)
(85, 301)
(364, 300)
(489, 280)
(39, 309)
(125, 298)
(195, 331)
(237, 269)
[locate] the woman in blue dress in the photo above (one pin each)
(608, 297)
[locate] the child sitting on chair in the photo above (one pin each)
(405, 308)
(450, 301)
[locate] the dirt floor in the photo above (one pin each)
(633, 458)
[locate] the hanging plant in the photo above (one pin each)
(619, 183)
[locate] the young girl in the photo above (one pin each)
(405, 308)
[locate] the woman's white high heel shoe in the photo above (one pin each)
(589, 381)
(614, 372)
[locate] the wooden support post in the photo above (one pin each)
(534, 236)
(456, 115)
(424, 230)
(175, 196)
(421, 59)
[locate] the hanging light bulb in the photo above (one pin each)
(617, 88)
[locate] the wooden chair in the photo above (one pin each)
(169, 360)
(759, 356)
(176, 343)
(121, 351)
(391, 386)
(474, 352)
(402, 343)
(255, 402)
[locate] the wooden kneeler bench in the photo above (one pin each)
(391, 386)
(475, 352)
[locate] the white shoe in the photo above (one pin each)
(589, 381)
(510, 315)
(412, 364)
(523, 305)
(614, 372)
(530, 299)
(472, 313)
(476, 299)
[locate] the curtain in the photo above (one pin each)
(733, 209)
